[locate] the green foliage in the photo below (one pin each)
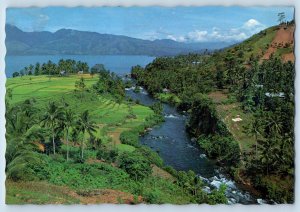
(217, 196)
(137, 72)
(52, 118)
(23, 166)
(168, 98)
(135, 165)
(224, 149)
(107, 155)
(130, 138)
(153, 197)
(204, 119)
(84, 125)
(62, 68)
(97, 68)
(150, 155)
(110, 83)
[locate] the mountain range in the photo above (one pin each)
(68, 41)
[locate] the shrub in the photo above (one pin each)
(224, 149)
(130, 138)
(171, 170)
(108, 155)
(151, 156)
(152, 197)
(217, 196)
(26, 167)
(135, 165)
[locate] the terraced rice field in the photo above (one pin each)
(111, 117)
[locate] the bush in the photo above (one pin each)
(135, 165)
(217, 196)
(224, 149)
(152, 197)
(157, 107)
(108, 155)
(130, 138)
(151, 156)
(26, 167)
(171, 170)
(279, 191)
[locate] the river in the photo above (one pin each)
(169, 139)
(178, 150)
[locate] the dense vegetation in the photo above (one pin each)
(262, 89)
(60, 132)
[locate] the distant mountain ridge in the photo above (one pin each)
(68, 41)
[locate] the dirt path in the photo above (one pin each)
(26, 193)
(283, 37)
(106, 196)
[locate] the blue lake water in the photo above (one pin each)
(120, 64)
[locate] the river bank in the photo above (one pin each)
(178, 150)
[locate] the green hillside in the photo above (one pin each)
(104, 165)
(241, 106)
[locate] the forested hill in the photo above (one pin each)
(241, 106)
(276, 40)
(68, 41)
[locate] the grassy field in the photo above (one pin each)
(258, 43)
(228, 110)
(111, 117)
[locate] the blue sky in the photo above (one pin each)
(184, 24)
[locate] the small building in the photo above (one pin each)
(280, 94)
(62, 73)
(196, 62)
(165, 90)
(259, 86)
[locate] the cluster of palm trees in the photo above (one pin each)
(58, 119)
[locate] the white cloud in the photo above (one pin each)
(43, 17)
(251, 23)
(198, 36)
(247, 29)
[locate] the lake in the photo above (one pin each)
(120, 64)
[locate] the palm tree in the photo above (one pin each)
(52, 118)
(21, 151)
(68, 123)
(84, 124)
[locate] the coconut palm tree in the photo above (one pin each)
(84, 124)
(52, 118)
(68, 122)
(21, 151)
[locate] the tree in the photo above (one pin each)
(135, 165)
(82, 66)
(37, 69)
(80, 85)
(52, 118)
(9, 93)
(30, 69)
(281, 17)
(157, 107)
(97, 69)
(255, 129)
(69, 122)
(217, 196)
(84, 124)
(16, 74)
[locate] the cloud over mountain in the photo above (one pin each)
(249, 28)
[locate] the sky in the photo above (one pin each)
(183, 24)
